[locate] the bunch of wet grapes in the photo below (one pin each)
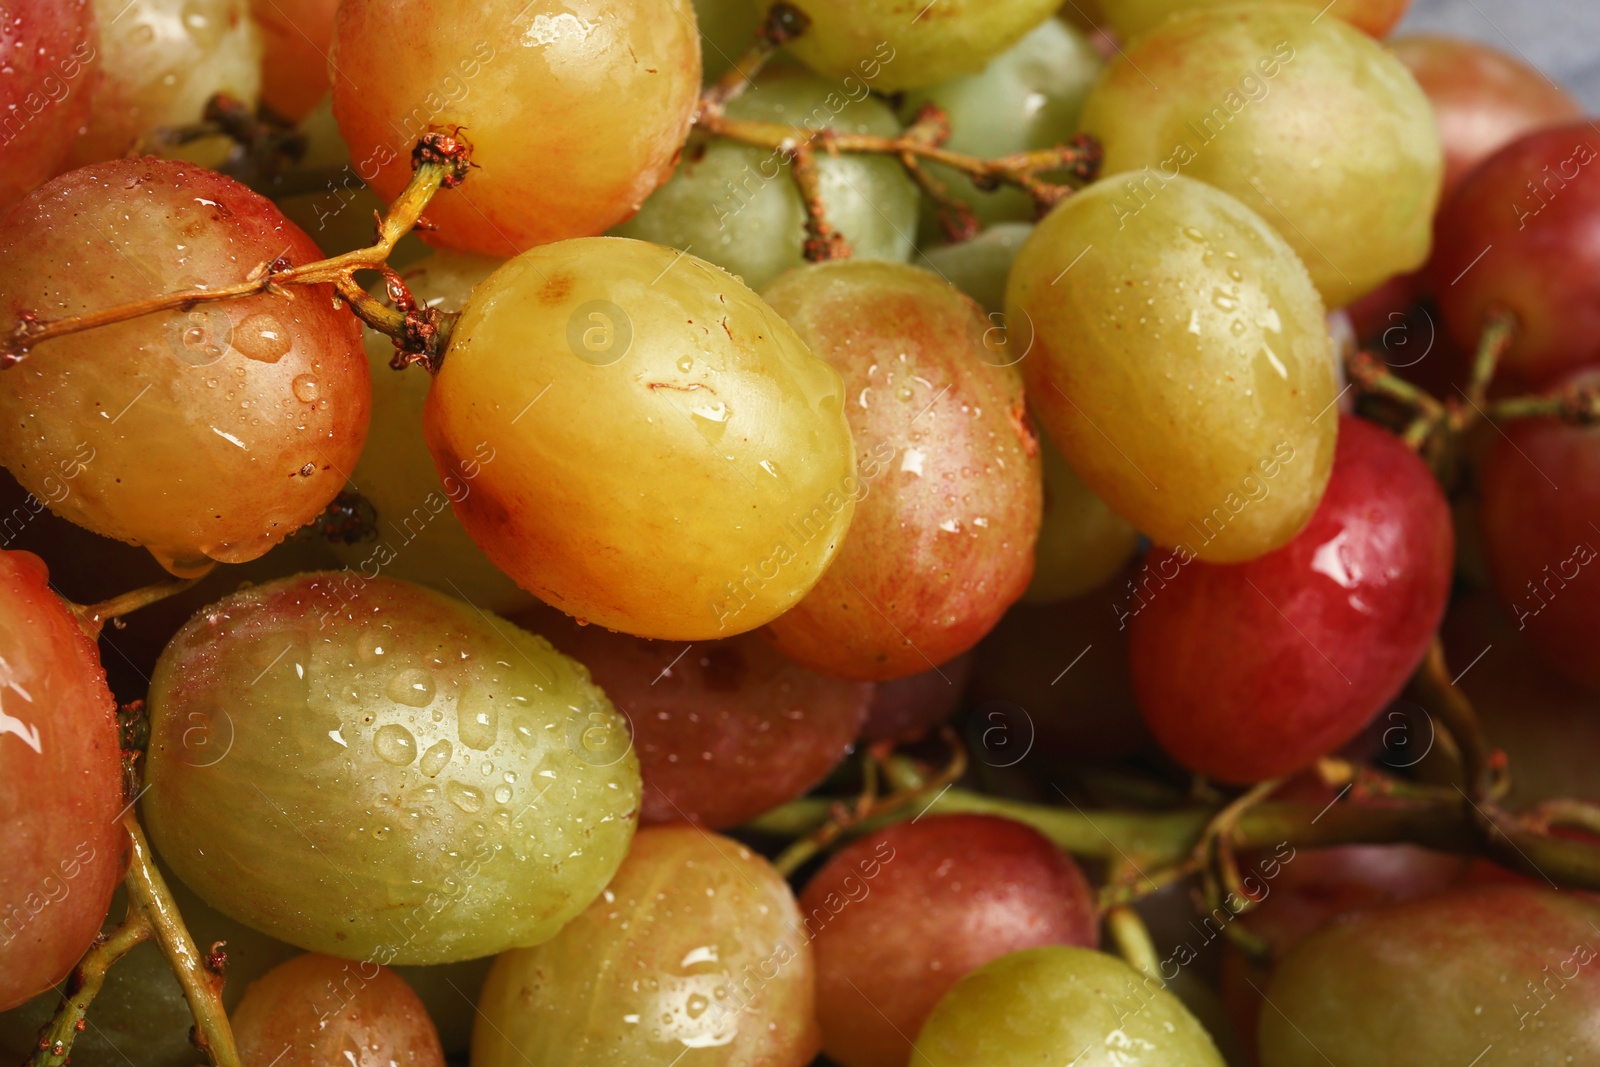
(651, 533)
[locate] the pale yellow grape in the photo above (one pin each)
(694, 954)
(910, 44)
(1082, 542)
(1028, 97)
(1310, 122)
(1133, 17)
(670, 460)
(419, 537)
(1180, 360)
(160, 61)
(1058, 1006)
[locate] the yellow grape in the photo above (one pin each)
(1130, 18)
(294, 63)
(419, 539)
(895, 45)
(575, 112)
(1082, 542)
(1180, 361)
(670, 460)
(1309, 121)
(160, 61)
(694, 952)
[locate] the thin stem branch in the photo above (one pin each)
(1134, 944)
(784, 22)
(84, 984)
(92, 618)
(1497, 336)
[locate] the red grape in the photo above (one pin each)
(60, 785)
(908, 707)
(725, 730)
(1252, 671)
(1540, 511)
(1523, 233)
(47, 50)
(295, 38)
(899, 917)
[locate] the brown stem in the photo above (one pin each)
(1580, 406)
(784, 22)
(84, 984)
(440, 161)
(823, 242)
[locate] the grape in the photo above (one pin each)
(1130, 18)
(906, 708)
(295, 35)
(1301, 118)
(727, 30)
(1523, 233)
(60, 785)
(47, 48)
(1028, 97)
(979, 268)
(140, 1015)
(1185, 371)
(315, 1010)
(1482, 98)
(419, 539)
(384, 743)
(1082, 542)
(574, 116)
(1438, 980)
(160, 61)
(1254, 671)
(900, 916)
(449, 991)
(1049, 1005)
(690, 474)
(694, 952)
(740, 208)
(893, 45)
(211, 434)
(1540, 486)
(725, 730)
(949, 478)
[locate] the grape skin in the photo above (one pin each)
(1182, 366)
(387, 744)
(1130, 18)
(296, 35)
(1082, 542)
(1300, 118)
(573, 119)
(744, 495)
(48, 48)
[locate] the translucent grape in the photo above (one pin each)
(295, 37)
(1130, 18)
(694, 951)
(725, 730)
(894, 45)
(1028, 97)
(384, 743)
(979, 268)
(738, 207)
(900, 916)
(949, 476)
(1178, 357)
(419, 539)
(1082, 542)
(574, 116)
(160, 61)
(60, 785)
(1300, 117)
(49, 51)
(574, 363)
(211, 434)
(1049, 1005)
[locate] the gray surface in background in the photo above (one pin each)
(1560, 37)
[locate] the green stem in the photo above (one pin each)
(84, 984)
(1134, 944)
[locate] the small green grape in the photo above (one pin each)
(1307, 120)
(980, 267)
(1028, 97)
(375, 771)
(738, 207)
(1082, 542)
(1062, 1006)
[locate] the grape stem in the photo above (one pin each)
(92, 618)
(440, 161)
(1133, 941)
(784, 22)
(269, 143)
(83, 985)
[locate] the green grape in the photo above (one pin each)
(738, 206)
(695, 953)
(980, 267)
(1082, 542)
(1179, 359)
(898, 45)
(671, 461)
(1130, 18)
(727, 30)
(391, 775)
(1062, 1005)
(449, 991)
(419, 539)
(1028, 97)
(1308, 121)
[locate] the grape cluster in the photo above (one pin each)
(857, 534)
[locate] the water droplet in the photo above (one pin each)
(1224, 301)
(305, 388)
(413, 688)
(502, 794)
(686, 363)
(464, 797)
(717, 412)
(477, 718)
(1237, 328)
(435, 759)
(1194, 234)
(262, 338)
(372, 645)
(904, 392)
(394, 744)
